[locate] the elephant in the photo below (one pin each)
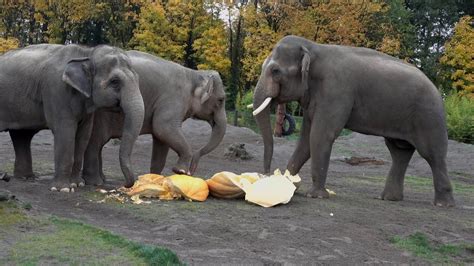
(359, 89)
(171, 93)
(59, 87)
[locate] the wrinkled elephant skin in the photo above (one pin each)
(360, 89)
(59, 87)
(172, 94)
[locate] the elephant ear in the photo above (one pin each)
(77, 74)
(305, 62)
(208, 89)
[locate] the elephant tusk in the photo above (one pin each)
(262, 106)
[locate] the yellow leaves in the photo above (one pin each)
(459, 56)
(390, 45)
(211, 49)
(8, 44)
(258, 43)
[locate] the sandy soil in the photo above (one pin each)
(301, 232)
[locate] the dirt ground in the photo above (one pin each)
(301, 232)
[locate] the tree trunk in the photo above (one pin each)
(280, 119)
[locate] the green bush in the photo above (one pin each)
(460, 118)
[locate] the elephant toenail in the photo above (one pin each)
(54, 189)
(73, 185)
(81, 184)
(66, 189)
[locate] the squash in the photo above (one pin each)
(227, 185)
(153, 186)
(192, 188)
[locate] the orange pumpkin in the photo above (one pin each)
(227, 185)
(192, 188)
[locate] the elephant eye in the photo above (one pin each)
(114, 82)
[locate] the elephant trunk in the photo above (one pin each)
(219, 125)
(134, 111)
(261, 101)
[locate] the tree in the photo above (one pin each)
(258, 43)
(7, 44)
(154, 34)
(458, 57)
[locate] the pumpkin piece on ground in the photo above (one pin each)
(270, 191)
(191, 188)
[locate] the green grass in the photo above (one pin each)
(419, 245)
(417, 183)
(460, 118)
(54, 240)
(10, 214)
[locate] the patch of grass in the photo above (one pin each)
(460, 118)
(417, 183)
(419, 244)
(10, 214)
(62, 241)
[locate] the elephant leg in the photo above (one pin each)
(82, 139)
(158, 157)
(302, 151)
(172, 135)
(64, 144)
(101, 167)
(22, 144)
(401, 152)
(326, 126)
(92, 169)
(434, 151)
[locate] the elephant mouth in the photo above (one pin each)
(262, 106)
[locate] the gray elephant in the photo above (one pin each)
(60, 87)
(172, 94)
(360, 89)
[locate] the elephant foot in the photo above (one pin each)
(76, 182)
(391, 195)
(181, 171)
(318, 193)
(444, 200)
(26, 177)
(94, 180)
(61, 186)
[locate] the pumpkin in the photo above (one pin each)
(269, 191)
(153, 186)
(192, 188)
(227, 185)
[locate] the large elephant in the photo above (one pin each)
(362, 90)
(172, 94)
(60, 87)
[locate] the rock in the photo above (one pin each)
(4, 177)
(6, 195)
(237, 151)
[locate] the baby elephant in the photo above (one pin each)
(172, 94)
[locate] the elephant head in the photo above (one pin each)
(284, 78)
(208, 103)
(106, 79)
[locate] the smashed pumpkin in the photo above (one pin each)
(153, 186)
(227, 185)
(269, 191)
(192, 188)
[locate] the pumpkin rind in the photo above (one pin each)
(227, 185)
(191, 188)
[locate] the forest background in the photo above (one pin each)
(234, 37)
